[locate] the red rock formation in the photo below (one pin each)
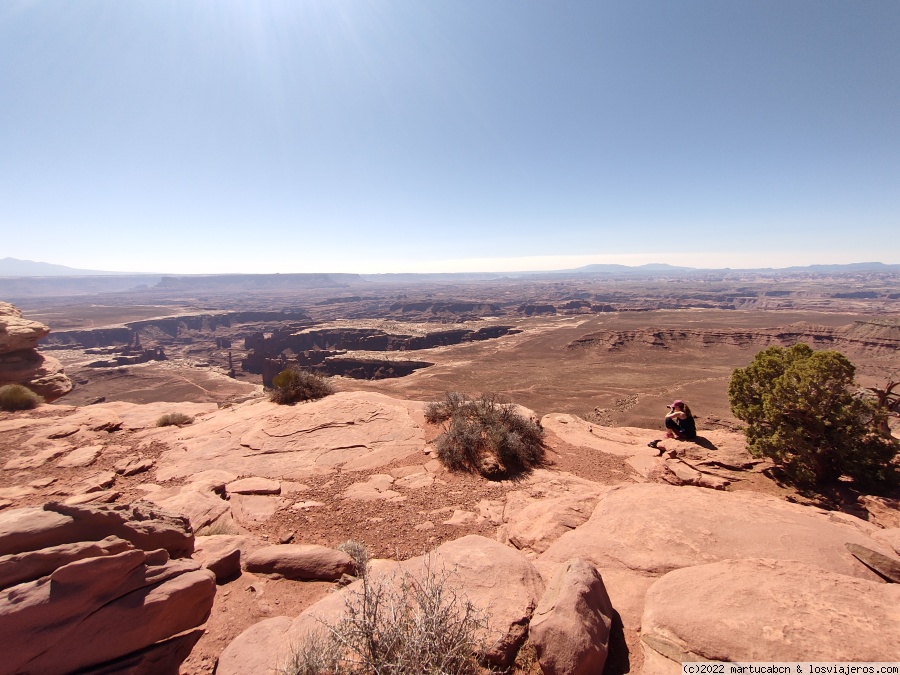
(21, 363)
(95, 588)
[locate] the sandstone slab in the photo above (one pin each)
(352, 430)
(301, 562)
(770, 610)
(80, 457)
(144, 525)
(30, 565)
(653, 529)
(198, 502)
(254, 485)
(53, 624)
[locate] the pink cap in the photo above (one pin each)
(676, 403)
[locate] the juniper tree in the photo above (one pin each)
(801, 411)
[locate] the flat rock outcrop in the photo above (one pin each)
(768, 610)
(653, 529)
(95, 588)
(351, 430)
(21, 363)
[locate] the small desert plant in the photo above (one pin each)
(360, 554)
(420, 625)
(291, 386)
(485, 435)
(16, 397)
(175, 419)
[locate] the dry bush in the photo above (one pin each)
(17, 397)
(175, 419)
(360, 554)
(485, 435)
(420, 626)
(291, 386)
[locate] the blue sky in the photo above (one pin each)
(463, 135)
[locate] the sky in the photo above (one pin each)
(188, 136)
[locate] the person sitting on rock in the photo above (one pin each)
(680, 422)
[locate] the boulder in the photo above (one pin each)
(102, 497)
(250, 510)
(260, 650)
(769, 610)
(144, 525)
(571, 626)
(301, 561)
(221, 554)
(254, 485)
(65, 621)
(41, 373)
(653, 529)
(30, 565)
(21, 363)
(17, 333)
(199, 502)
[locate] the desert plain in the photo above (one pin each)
(702, 553)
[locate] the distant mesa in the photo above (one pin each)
(13, 267)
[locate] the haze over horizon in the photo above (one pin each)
(341, 136)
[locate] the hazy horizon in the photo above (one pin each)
(374, 137)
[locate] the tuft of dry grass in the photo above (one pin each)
(15, 397)
(175, 419)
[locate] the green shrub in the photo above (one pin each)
(16, 397)
(291, 386)
(485, 435)
(421, 626)
(802, 414)
(175, 419)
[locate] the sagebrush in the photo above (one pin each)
(485, 435)
(292, 386)
(411, 626)
(360, 554)
(175, 419)
(15, 397)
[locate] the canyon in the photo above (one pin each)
(248, 503)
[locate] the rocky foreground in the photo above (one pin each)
(116, 533)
